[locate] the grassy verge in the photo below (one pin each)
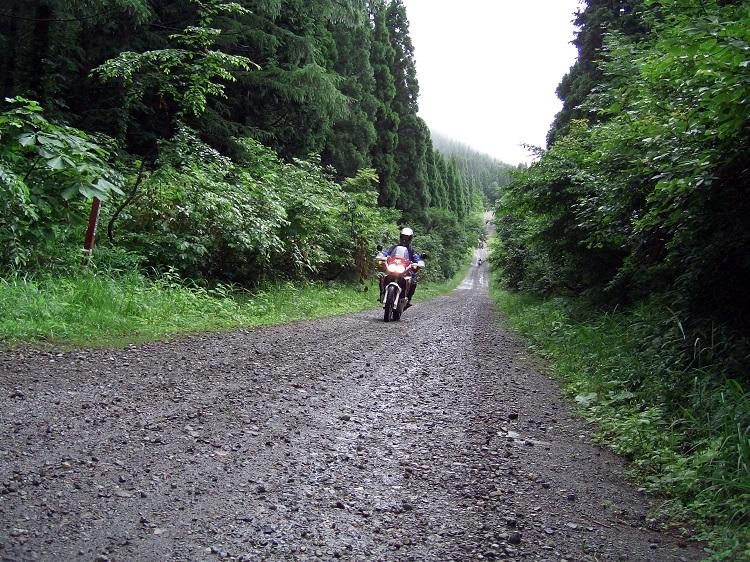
(101, 310)
(666, 403)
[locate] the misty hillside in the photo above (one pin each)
(477, 168)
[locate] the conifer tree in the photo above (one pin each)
(48, 47)
(455, 190)
(292, 102)
(351, 138)
(598, 17)
(413, 134)
(439, 184)
(386, 119)
(433, 177)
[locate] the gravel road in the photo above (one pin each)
(432, 438)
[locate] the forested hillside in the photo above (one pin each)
(241, 142)
(481, 170)
(637, 214)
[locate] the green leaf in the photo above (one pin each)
(27, 139)
(48, 139)
(106, 187)
(56, 163)
(70, 192)
(89, 191)
(586, 399)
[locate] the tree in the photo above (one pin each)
(40, 59)
(386, 119)
(481, 170)
(413, 134)
(186, 75)
(597, 18)
(292, 102)
(439, 183)
(351, 138)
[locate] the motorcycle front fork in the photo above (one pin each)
(405, 290)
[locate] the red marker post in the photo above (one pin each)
(88, 242)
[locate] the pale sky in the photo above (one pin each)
(488, 69)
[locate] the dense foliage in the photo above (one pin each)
(641, 198)
(600, 16)
(236, 141)
(650, 197)
(44, 168)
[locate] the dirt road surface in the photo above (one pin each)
(432, 438)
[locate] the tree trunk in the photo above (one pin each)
(8, 78)
(41, 42)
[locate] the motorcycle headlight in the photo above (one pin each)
(396, 268)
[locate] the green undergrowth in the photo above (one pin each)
(672, 405)
(101, 310)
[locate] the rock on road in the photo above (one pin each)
(432, 438)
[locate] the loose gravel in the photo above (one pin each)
(433, 438)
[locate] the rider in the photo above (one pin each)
(405, 237)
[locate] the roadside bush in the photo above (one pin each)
(643, 211)
(201, 214)
(257, 218)
(246, 220)
(47, 172)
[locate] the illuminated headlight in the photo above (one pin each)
(396, 268)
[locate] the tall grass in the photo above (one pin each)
(94, 308)
(103, 309)
(676, 406)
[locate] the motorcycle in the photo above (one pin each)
(396, 278)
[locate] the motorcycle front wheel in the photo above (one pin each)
(390, 297)
(398, 310)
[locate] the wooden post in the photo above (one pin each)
(88, 242)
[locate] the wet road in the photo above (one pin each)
(431, 438)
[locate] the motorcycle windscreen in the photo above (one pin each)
(400, 252)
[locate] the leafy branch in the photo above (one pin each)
(188, 74)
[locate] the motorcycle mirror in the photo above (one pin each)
(379, 248)
(425, 255)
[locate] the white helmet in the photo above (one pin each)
(405, 236)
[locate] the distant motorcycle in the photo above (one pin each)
(396, 278)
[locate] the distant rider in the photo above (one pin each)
(405, 237)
